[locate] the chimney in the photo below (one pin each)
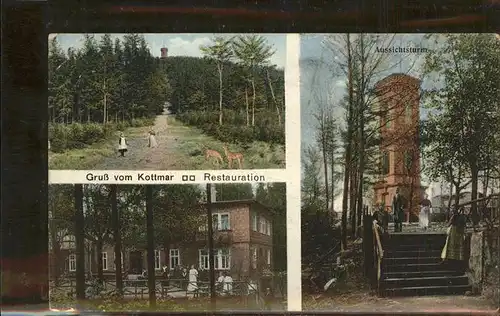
(164, 52)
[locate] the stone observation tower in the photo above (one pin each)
(164, 52)
(398, 100)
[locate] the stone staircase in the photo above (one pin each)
(412, 266)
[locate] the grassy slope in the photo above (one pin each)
(187, 151)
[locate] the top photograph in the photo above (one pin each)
(166, 101)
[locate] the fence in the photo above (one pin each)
(176, 288)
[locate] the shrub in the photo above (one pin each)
(234, 128)
(79, 135)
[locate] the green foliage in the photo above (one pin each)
(273, 195)
(462, 130)
(234, 191)
(235, 130)
(105, 82)
(79, 135)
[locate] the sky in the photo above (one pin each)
(180, 44)
(319, 83)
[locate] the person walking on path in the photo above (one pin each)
(122, 145)
(152, 139)
(453, 250)
(398, 209)
(425, 211)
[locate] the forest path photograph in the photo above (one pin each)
(166, 101)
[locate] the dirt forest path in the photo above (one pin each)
(423, 304)
(141, 157)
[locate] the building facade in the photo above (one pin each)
(398, 102)
(243, 246)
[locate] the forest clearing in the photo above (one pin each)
(222, 110)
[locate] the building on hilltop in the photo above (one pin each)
(243, 245)
(398, 101)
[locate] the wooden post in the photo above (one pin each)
(210, 236)
(117, 239)
(79, 242)
(150, 245)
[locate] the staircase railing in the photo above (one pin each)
(378, 252)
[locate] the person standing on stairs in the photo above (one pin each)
(453, 250)
(398, 209)
(425, 212)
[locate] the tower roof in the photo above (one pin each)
(397, 78)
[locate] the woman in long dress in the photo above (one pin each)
(453, 250)
(193, 279)
(425, 211)
(152, 139)
(122, 145)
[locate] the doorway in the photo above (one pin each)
(136, 262)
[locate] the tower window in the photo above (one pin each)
(385, 162)
(408, 111)
(408, 160)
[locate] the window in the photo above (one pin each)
(221, 221)
(204, 259)
(72, 263)
(225, 259)
(408, 160)
(224, 221)
(221, 257)
(104, 258)
(175, 258)
(387, 116)
(268, 256)
(157, 260)
(254, 222)
(385, 163)
(254, 257)
(408, 112)
(262, 225)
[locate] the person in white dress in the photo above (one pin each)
(193, 279)
(228, 284)
(122, 145)
(220, 283)
(425, 210)
(152, 143)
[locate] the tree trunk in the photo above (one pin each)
(361, 139)
(457, 193)
(150, 245)
(80, 242)
(100, 270)
(278, 112)
(247, 102)
(353, 198)
(253, 101)
(325, 158)
(332, 178)
(105, 114)
(220, 94)
(347, 167)
(474, 190)
(118, 240)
